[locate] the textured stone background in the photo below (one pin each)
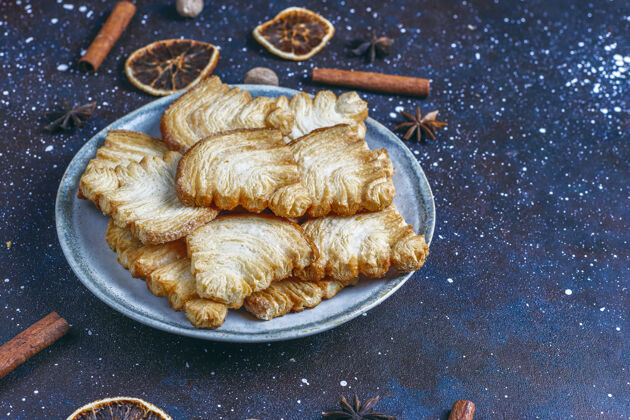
(523, 305)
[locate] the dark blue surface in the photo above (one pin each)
(523, 304)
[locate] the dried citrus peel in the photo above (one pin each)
(123, 408)
(295, 34)
(170, 66)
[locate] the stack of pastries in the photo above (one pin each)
(271, 204)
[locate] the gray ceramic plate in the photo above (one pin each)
(81, 229)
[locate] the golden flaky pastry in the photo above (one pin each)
(204, 313)
(166, 269)
(123, 243)
(141, 196)
(153, 257)
(176, 281)
(141, 260)
(326, 110)
(363, 244)
(124, 146)
(291, 295)
(234, 256)
(341, 173)
(121, 147)
(252, 168)
(97, 184)
(211, 107)
(117, 173)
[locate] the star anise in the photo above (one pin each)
(357, 411)
(420, 126)
(70, 116)
(373, 47)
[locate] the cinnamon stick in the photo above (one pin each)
(31, 341)
(462, 410)
(388, 83)
(107, 36)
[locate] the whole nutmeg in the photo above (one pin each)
(261, 76)
(189, 8)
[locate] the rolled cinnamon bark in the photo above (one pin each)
(107, 36)
(379, 82)
(31, 341)
(462, 410)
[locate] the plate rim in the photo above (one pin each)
(62, 225)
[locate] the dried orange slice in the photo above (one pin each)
(295, 34)
(170, 66)
(119, 408)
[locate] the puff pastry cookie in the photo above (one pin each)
(237, 255)
(96, 184)
(120, 147)
(291, 295)
(363, 244)
(141, 260)
(141, 196)
(204, 313)
(175, 281)
(212, 106)
(253, 168)
(124, 146)
(123, 243)
(152, 257)
(341, 173)
(326, 110)
(166, 270)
